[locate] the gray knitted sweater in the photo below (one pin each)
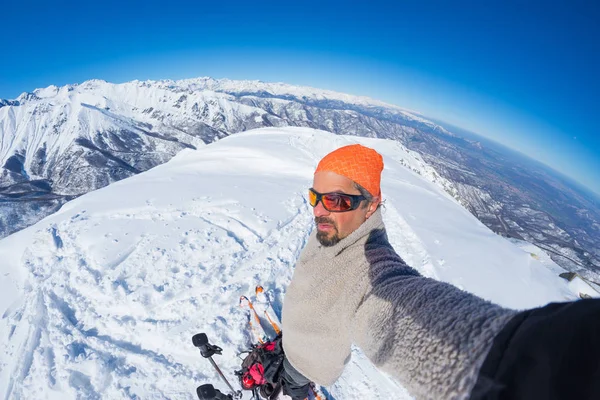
(430, 335)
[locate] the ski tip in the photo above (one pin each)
(243, 300)
(259, 289)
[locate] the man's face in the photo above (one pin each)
(334, 226)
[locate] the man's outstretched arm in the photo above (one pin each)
(430, 335)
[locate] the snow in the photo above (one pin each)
(578, 285)
(284, 89)
(101, 299)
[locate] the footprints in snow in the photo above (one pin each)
(143, 290)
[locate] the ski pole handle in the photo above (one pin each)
(207, 350)
(208, 392)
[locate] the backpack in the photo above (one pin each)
(261, 369)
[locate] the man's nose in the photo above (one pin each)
(319, 210)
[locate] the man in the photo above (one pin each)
(350, 286)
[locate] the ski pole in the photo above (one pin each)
(207, 350)
(208, 392)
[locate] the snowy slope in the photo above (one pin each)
(101, 299)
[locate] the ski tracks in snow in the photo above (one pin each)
(75, 337)
(109, 311)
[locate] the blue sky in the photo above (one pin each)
(523, 73)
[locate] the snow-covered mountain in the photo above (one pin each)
(100, 299)
(107, 132)
(58, 143)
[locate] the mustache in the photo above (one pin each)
(323, 220)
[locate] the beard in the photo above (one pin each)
(327, 239)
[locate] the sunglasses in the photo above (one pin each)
(335, 202)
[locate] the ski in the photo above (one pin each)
(263, 307)
(260, 336)
(263, 298)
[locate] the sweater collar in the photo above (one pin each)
(375, 221)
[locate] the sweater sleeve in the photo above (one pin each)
(430, 335)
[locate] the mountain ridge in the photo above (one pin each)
(60, 142)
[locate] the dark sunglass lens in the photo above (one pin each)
(337, 202)
(345, 203)
(330, 201)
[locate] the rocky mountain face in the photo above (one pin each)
(58, 143)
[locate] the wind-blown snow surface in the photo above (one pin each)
(101, 299)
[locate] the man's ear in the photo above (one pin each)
(373, 206)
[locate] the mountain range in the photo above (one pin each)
(58, 143)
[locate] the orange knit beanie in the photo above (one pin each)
(359, 163)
